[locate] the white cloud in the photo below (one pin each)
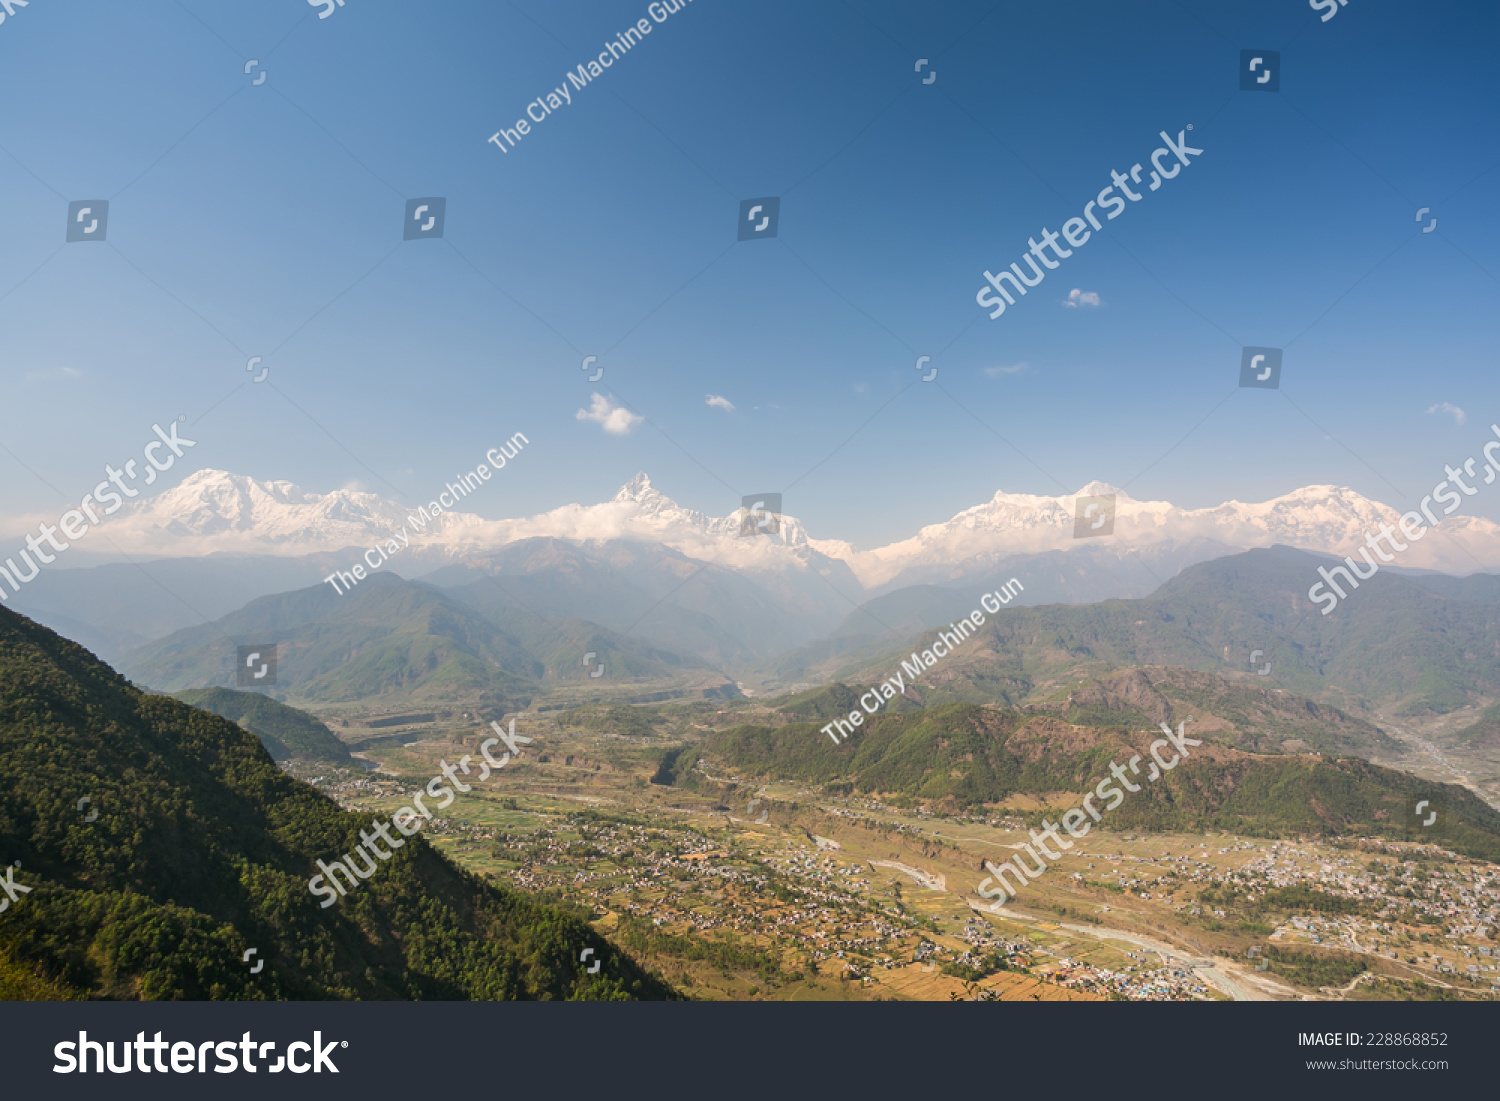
(1015, 369)
(616, 419)
(1459, 416)
(718, 401)
(1077, 298)
(53, 372)
(860, 387)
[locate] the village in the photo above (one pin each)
(804, 908)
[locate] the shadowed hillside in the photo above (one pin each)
(286, 732)
(196, 848)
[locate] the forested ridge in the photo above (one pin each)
(201, 848)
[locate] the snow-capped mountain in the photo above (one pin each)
(639, 511)
(214, 510)
(1330, 519)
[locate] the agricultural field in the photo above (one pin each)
(744, 891)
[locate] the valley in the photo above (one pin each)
(735, 888)
(678, 801)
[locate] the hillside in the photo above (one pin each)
(1245, 713)
(1394, 642)
(286, 732)
(118, 606)
(925, 598)
(391, 640)
(1242, 712)
(724, 617)
(1485, 732)
(960, 755)
(202, 849)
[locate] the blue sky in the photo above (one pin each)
(266, 220)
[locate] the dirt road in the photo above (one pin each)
(1214, 972)
(926, 879)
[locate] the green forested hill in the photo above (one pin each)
(202, 849)
(388, 639)
(397, 642)
(964, 755)
(1394, 641)
(285, 731)
(1248, 713)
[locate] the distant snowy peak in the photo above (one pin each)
(214, 510)
(1332, 519)
(639, 511)
(667, 516)
(639, 491)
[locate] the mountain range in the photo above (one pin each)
(1233, 629)
(216, 512)
(217, 541)
(393, 639)
(1414, 644)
